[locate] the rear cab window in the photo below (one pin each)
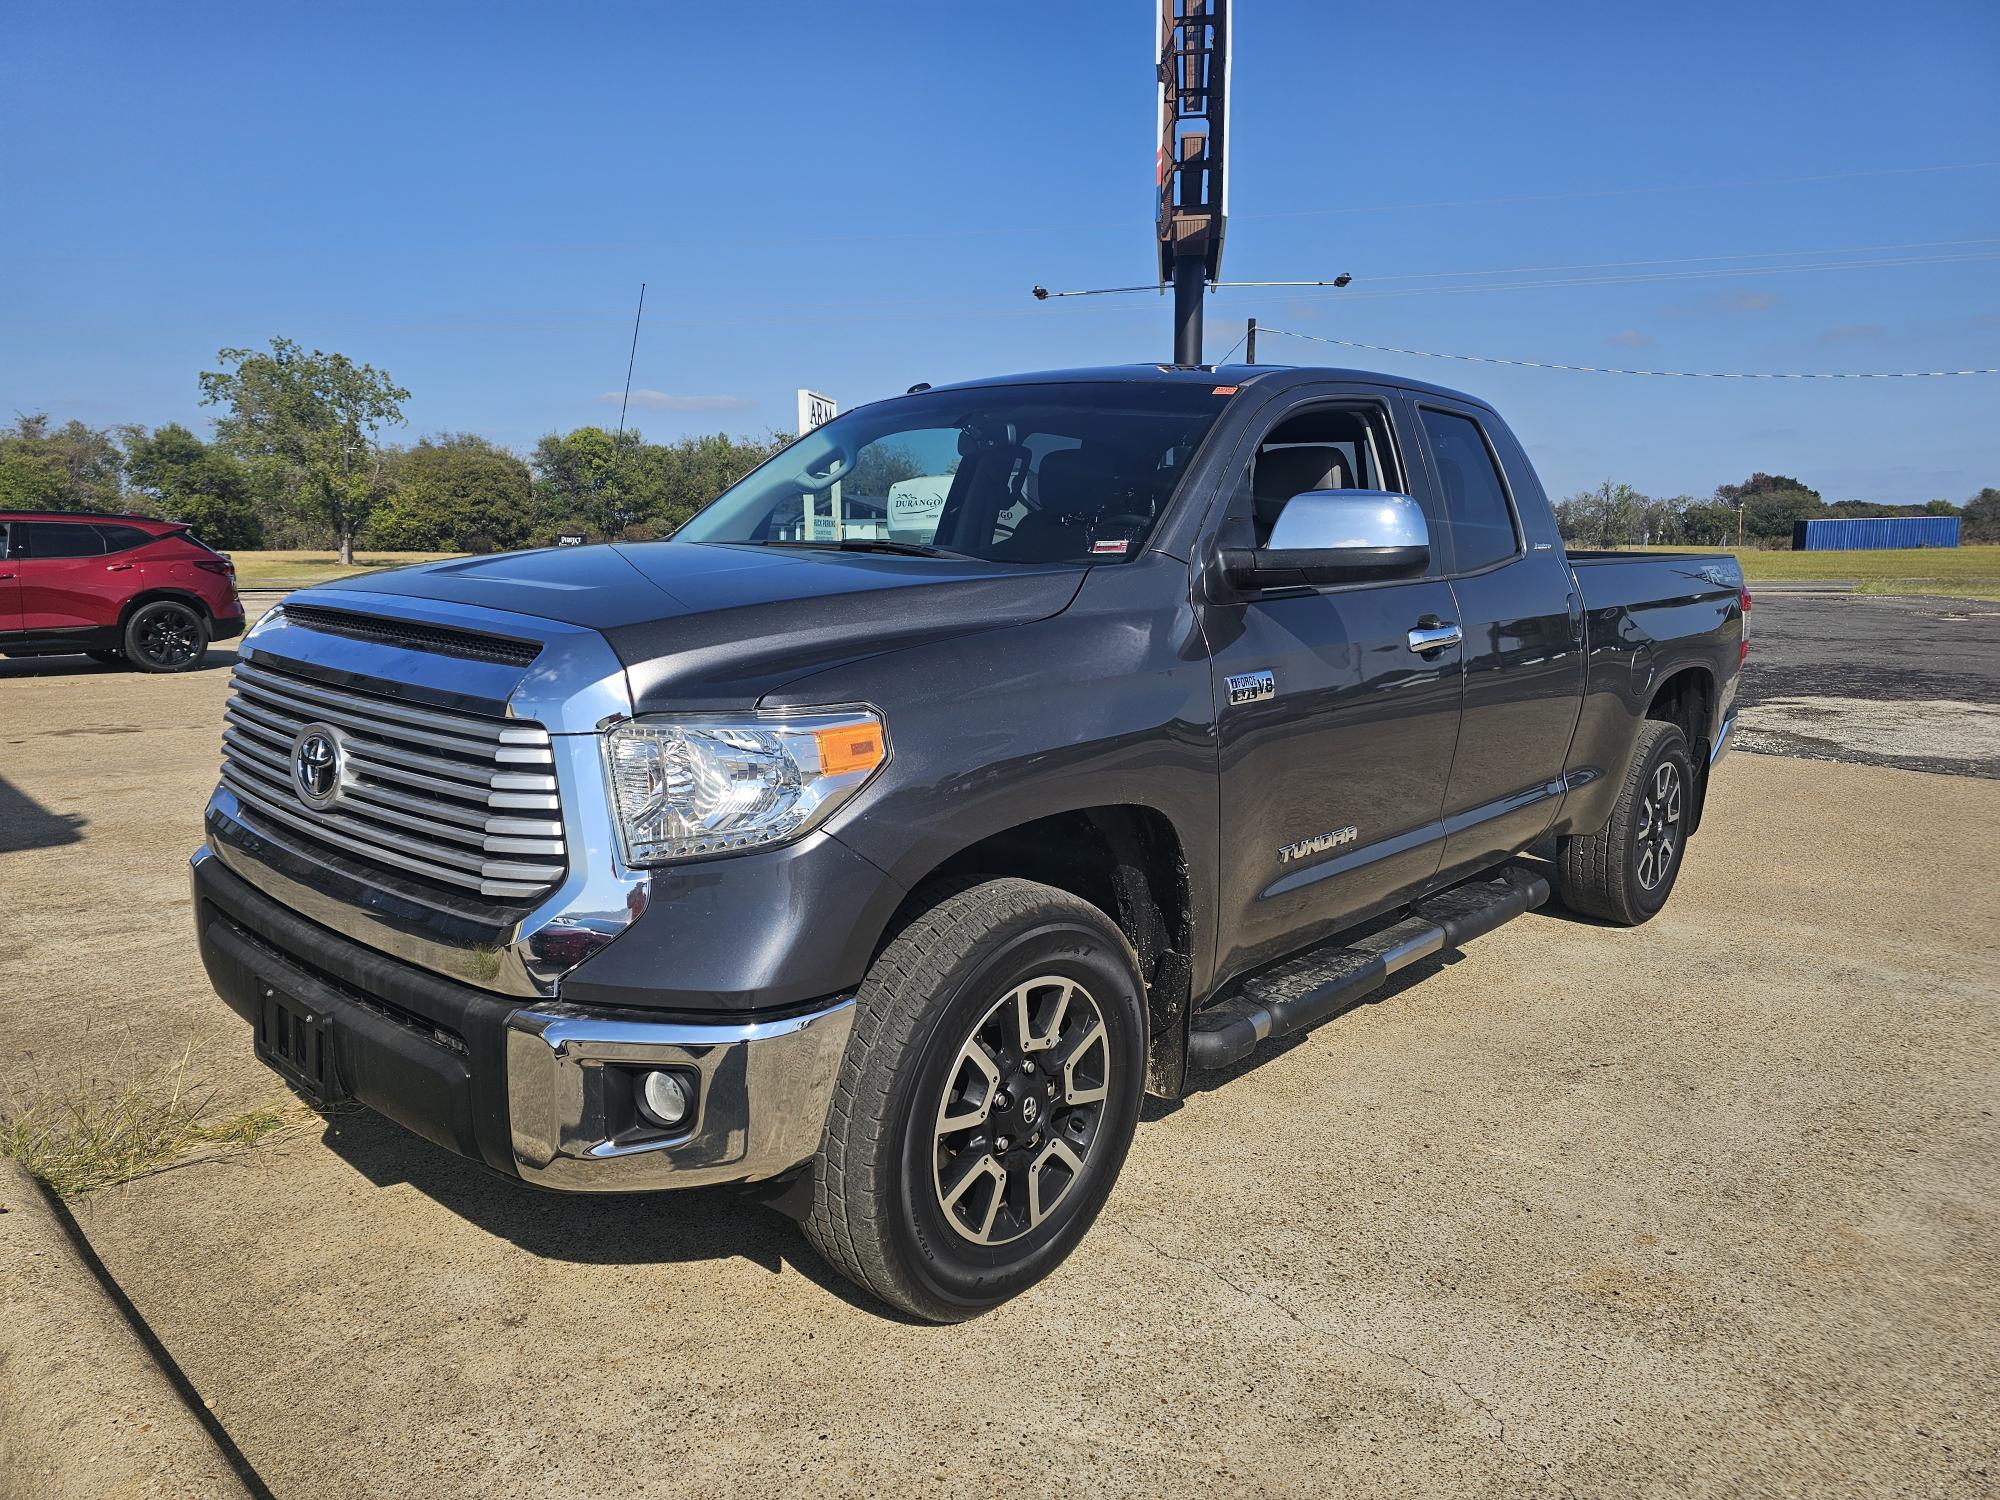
(124, 538)
(1483, 529)
(52, 539)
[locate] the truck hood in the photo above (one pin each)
(701, 625)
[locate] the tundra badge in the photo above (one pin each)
(1251, 687)
(1317, 844)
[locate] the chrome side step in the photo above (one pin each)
(1307, 989)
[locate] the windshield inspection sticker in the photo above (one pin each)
(1114, 548)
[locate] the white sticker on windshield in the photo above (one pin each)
(1110, 547)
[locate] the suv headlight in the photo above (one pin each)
(684, 786)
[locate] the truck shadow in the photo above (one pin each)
(26, 824)
(623, 1230)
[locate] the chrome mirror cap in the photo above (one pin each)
(1329, 520)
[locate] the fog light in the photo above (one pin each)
(665, 1099)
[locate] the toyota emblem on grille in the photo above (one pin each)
(316, 766)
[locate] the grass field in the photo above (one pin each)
(291, 570)
(1960, 572)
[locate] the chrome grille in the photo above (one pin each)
(465, 800)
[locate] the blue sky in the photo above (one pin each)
(859, 197)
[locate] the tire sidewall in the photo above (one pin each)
(1672, 746)
(947, 1266)
(137, 658)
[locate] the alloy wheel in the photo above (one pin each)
(1021, 1110)
(169, 637)
(1659, 834)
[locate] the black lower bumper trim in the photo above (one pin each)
(420, 1050)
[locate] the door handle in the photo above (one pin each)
(1425, 639)
(117, 567)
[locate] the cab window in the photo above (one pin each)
(1335, 447)
(1475, 496)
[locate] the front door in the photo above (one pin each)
(1336, 736)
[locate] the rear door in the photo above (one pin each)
(59, 567)
(10, 585)
(1336, 737)
(1522, 618)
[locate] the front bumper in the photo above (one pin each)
(538, 1090)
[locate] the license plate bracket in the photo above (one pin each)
(296, 1039)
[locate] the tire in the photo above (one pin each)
(107, 658)
(1625, 871)
(905, 1204)
(166, 636)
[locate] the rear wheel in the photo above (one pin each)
(165, 636)
(986, 1100)
(1626, 870)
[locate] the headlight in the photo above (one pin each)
(687, 786)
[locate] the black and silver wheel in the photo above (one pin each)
(165, 636)
(986, 1100)
(1021, 1111)
(1626, 870)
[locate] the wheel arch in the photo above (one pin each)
(152, 594)
(1128, 860)
(1687, 697)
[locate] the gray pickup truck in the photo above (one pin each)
(991, 757)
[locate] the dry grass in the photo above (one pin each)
(83, 1135)
(1969, 572)
(296, 569)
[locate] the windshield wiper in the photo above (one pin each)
(875, 544)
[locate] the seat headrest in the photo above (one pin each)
(1284, 472)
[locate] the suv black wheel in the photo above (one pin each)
(1626, 870)
(986, 1100)
(165, 636)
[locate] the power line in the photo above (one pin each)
(1540, 364)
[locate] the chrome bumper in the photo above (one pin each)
(764, 1091)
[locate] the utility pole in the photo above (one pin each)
(1250, 344)
(1193, 158)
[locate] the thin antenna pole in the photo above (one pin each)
(630, 360)
(1250, 344)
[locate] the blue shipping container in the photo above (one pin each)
(1874, 533)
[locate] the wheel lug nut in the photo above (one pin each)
(1003, 1143)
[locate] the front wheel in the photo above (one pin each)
(986, 1100)
(1626, 870)
(165, 636)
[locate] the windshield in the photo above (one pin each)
(1026, 474)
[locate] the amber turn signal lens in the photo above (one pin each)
(850, 747)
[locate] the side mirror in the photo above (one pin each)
(1335, 536)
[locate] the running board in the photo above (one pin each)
(1305, 990)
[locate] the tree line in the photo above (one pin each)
(1759, 512)
(300, 458)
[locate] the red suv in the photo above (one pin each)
(116, 588)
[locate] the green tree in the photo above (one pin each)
(1771, 504)
(1982, 517)
(1941, 508)
(591, 482)
(320, 416)
(1608, 516)
(186, 479)
(71, 467)
(455, 492)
